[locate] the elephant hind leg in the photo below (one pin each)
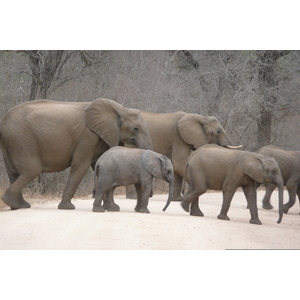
(192, 197)
(78, 169)
(292, 189)
(110, 204)
(13, 195)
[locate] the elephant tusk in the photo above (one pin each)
(233, 147)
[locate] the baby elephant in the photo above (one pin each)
(123, 166)
(214, 167)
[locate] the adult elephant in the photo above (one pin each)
(49, 136)
(177, 134)
(289, 164)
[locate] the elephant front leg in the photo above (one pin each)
(143, 193)
(250, 193)
(266, 200)
(228, 193)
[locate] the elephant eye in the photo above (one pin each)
(135, 129)
(218, 132)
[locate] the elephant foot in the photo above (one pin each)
(22, 205)
(66, 205)
(285, 208)
(144, 210)
(98, 209)
(267, 205)
(255, 221)
(113, 207)
(185, 205)
(223, 217)
(14, 205)
(197, 213)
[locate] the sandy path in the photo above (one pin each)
(45, 227)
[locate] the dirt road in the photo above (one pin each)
(45, 227)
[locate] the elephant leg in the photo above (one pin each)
(292, 189)
(195, 209)
(227, 197)
(13, 195)
(79, 168)
(298, 194)
(110, 203)
(139, 195)
(178, 181)
(97, 205)
(192, 197)
(145, 191)
(251, 196)
(266, 200)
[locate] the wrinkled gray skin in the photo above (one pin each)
(289, 164)
(177, 134)
(122, 166)
(48, 136)
(217, 168)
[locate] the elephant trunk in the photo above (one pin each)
(171, 192)
(280, 197)
(226, 142)
(145, 144)
(144, 141)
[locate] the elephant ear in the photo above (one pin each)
(103, 116)
(191, 129)
(153, 163)
(251, 164)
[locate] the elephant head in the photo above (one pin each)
(159, 166)
(116, 124)
(198, 130)
(263, 169)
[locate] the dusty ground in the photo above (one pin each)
(45, 227)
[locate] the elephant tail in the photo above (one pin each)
(95, 181)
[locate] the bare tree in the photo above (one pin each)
(266, 62)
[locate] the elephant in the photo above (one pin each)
(50, 136)
(177, 134)
(289, 164)
(122, 166)
(217, 168)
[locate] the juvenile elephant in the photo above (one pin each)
(123, 166)
(177, 134)
(289, 164)
(49, 136)
(214, 167)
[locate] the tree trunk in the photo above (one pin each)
(43, 65)
(268, 86)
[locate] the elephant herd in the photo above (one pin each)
(50, 136)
